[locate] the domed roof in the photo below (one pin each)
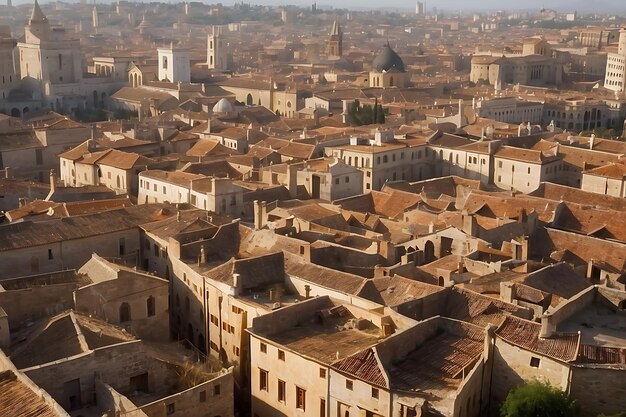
(388, 59)
(223, 106)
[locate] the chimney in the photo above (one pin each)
(307, 291)
(8, 173)
(292, 180)
(489, 336)
(92, 140)
(237, 283)
(21, 202)
(592, 141)
(53, 180)
(202, 258)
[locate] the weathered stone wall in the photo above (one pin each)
(599, 390)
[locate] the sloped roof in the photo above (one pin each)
(365, 366)
(525, 334)
(19, 400)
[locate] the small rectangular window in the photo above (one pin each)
(349, 384)
(281, 355)
(263, 347)
(534, 362)
(263, 380)
(202, 396)
(322, 373)
(281, 391)
(216, 389)
(170, 408)
(300, 398)
(50, 255)
(375, 393)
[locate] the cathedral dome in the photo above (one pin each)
(223, 106)
(388, 59)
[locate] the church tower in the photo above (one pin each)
(335, 41)
(217, 56)
(51, 56)
(174, 65)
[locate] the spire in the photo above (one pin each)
(336, 30)
(37, 16)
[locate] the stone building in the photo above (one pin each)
(388, 70)
(335, 41)
(615, 78)
(217, 52)
(174, 65)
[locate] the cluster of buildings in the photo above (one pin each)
(219, 219)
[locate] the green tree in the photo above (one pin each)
(537, 399)
(380, 115)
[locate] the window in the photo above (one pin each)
(263, 347)
(263, 380)
(281, 355)
(236, 350)
(122, 246)
(499, 164)
(170, 408)
(281, 391)
(529, 170)
(125, 312)
(156, 250)
(322, 373)
(385, 159)
(336, 181)
(50, 255)
(322, 407)
(300, 398)
(216, 389)
(150, 307)
(349, 384)
(39, 157)
(375, 393)
(214, 320)
(202, 396)
(534, 362)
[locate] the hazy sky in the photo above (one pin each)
(600, 6)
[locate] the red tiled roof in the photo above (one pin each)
(525, 334)
(601, 355)
(365, 366)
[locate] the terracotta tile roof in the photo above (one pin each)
(210, 147)
(617, 171)
(397, 290)
(63, 124)
(364, 366)
(438, 363)
(525, 334)
(77, 152)
(19, 400)
(524, 155)
(27, 234)
(601, 355)
(325, 277)
(558, 192)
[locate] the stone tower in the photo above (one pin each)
(174, 65)
(217, 55)
(94, 18)
(335, 41)
(615, 77)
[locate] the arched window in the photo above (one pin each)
(150, 306)
(125, 312)
(249, 100)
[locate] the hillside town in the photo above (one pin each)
(259, 211)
